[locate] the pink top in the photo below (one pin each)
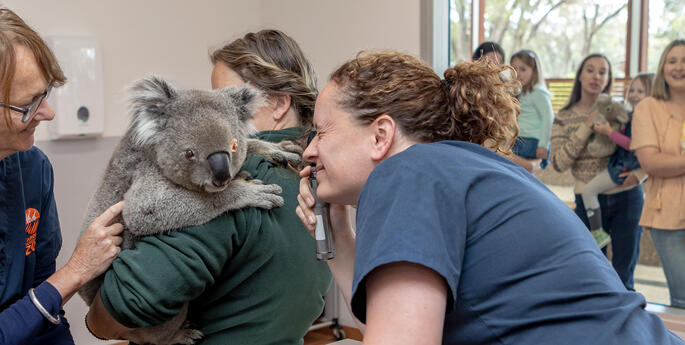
(620, 139)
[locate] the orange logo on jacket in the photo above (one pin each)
(32, 217)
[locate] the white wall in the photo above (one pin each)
(332, 31)
(171, 38)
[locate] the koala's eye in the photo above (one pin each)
(190, 154)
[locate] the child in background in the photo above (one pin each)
(535, 121)
(622, 162)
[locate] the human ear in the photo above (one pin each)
(281, 106)
(383, 127)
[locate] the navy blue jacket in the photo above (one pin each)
(30, 240)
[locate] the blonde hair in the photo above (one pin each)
(13, 31)
(660, 89)
(273, 62)
(473, 103)
(646, 79)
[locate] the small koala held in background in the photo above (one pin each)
(599, 145)
(178, 165)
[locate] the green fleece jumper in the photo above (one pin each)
(250, 275)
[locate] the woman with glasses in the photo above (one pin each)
(32, 292)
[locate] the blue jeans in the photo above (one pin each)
(527, 147)
(670, 245)
(620, 216)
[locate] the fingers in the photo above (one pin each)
(306, 171)
(624, 174)
(116, 229)
(305, 213)
(106, 217)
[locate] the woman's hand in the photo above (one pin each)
(630, 179)
(96, 249)
(98, 246)
(591, 118)
(305, 208)
(541, 153)
(602, 128)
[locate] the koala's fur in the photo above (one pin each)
(166, 187)
(599, 145)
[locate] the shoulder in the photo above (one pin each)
(647, 104)
(540, 92)
(33, 156)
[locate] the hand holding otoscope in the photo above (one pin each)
(322, 233)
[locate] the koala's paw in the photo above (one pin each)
(287, 153)
(265, 196)
(187, 335)
(290, 146)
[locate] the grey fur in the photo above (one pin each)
(165, 190)
(599, 145)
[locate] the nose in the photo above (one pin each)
(310, 153)
(44, 112)
(220, 166)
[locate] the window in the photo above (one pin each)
(666, 23)
(460, 31)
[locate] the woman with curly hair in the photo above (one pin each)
(454, 243)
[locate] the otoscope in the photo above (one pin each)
(322, 233)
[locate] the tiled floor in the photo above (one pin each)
(651, 282)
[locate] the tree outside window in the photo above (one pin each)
(666, 23)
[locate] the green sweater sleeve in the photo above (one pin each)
(543, 105)
(148, 285)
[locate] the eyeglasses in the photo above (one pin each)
(30, 111)
(311, 136)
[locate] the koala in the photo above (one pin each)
(600, 145)
(178, 165)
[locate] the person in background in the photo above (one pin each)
(535, 120)
(32, 291)
(491, 51)
(620, 206)
(659, 143)
(623, 163)
(251, 275)
(454, 244)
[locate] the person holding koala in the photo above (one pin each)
(571, 135)
(623, 161)
(251, 275)
(489, 257)
(32, 291)
(658, 138)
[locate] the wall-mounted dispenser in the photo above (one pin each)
(79, 104)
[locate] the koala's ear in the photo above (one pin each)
(246, 99)
(147, 99)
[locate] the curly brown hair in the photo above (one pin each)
(273, 62)
(474, 102)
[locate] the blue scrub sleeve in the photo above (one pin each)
(406, 215)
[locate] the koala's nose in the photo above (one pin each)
(220, 165)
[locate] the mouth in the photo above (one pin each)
(209, 187)
(678, 76)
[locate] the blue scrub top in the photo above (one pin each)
(520, 267)
(30, 240)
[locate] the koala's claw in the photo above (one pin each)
(187, 336)
(291, 146)
(267, 195)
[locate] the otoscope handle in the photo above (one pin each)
(322, 233)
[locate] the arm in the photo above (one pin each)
(342, 266)
(543, 106)
(529, 164)
(620, 139)
(568, 143)
(660, 164)
(406, 304)
(182, 264)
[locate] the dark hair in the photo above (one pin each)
(13, 31)
(273, 62)
(531, 60)
(660, 89)
(487, 47)
(473, 103)
(576, 91)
